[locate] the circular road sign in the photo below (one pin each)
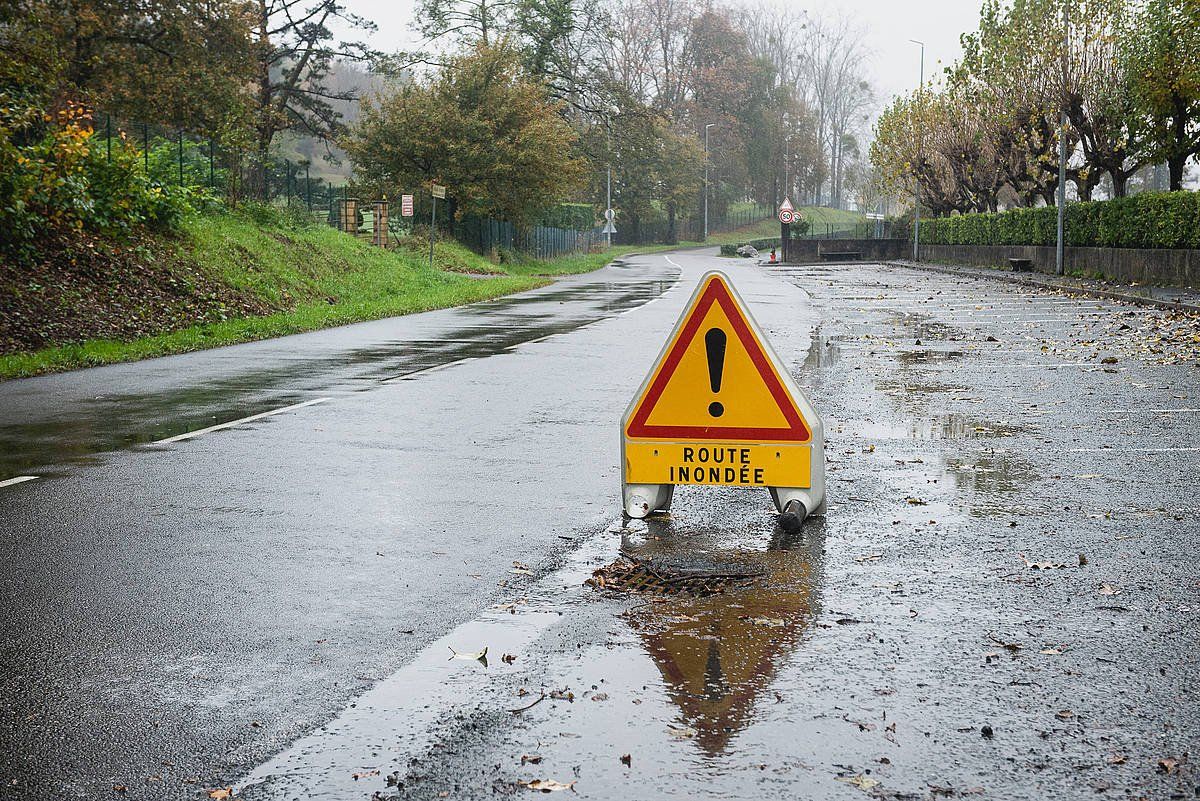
(786, 216)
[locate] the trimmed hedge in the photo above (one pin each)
(1147, 220)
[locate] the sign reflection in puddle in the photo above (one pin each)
(718, 654)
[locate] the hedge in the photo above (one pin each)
(1147, 220)
(571, 216)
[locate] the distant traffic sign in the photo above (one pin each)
(719, 408)
(406, 205)
(786, 216)
(438, 191)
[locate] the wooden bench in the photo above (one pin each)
(841, 255)
(1021, 265)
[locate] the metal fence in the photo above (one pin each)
(542, 242)
(184, 158)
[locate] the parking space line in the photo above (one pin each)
(232, 423)
(8, 482)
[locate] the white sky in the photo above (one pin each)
(889, 25)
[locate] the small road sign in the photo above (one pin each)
(786, 205)
(406, 205)
(609, 214)
(786, 216)
(720, 408)
(438, 191)
(608, 228)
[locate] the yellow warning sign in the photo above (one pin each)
(713, 401)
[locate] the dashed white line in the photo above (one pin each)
(238, 422)
(8, 482)
(425, 370)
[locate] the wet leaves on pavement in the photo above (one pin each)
(473, 656)
(547, 785)
(862, 782)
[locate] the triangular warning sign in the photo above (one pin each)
(716, 380)
(786, 205)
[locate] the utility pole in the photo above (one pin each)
(1062, 148)
(921, 149)
(705, 236)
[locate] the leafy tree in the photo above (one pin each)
(482, 127)
(1162, 51)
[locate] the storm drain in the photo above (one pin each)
(635, 575)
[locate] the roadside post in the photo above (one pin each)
(609, 229)
(719, 408)
(436, 191)
(787, 215)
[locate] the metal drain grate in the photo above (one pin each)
(631, 574)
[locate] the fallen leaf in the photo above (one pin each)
(120, 788)
(1116, 759)
(682, 732)
(600, 697)
(365, 774)
(626, 760)
(508, 659)
(860, 781)
(477, 656)
(221, 792)
(1064, 714)
(1108, 589)
(871, 557)
(547, 785)
(1167, 765)
(916, 502)
(1051, 651)
(774, 622)
(532, 759)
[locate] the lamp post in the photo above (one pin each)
(1062, 150)
(921, 148)
(608, 212)
(706, 127)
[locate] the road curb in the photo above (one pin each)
(1028, 280)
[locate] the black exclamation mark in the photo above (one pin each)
(714, 344)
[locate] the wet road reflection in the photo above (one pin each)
(54, 420)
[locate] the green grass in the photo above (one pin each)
(319, 277)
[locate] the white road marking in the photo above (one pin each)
(8, 482)
(672, 261)
(433, 369)
(1122, 449)
(238, 422)
(1151, 411)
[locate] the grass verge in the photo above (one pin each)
(299, 278)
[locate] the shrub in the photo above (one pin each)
(1147, 220)
(55, 181)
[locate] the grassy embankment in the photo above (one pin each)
(299, 279)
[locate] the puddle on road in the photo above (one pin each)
(698, 667)
(934, 427)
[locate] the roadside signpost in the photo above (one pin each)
(406, 205)
(609, 229)
(437, 191)
(719, 408)
(787, 212)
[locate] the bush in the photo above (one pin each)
(1147, 220)
(55, 181)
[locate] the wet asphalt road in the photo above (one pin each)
(270, 606)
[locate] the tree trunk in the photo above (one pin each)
(672, 237)
(1175, 165)
(1120, 182)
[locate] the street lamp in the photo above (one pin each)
(706, 127)
(1062, 151)
(920, 148)
(608, 212)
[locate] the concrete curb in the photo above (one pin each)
(1028, 280)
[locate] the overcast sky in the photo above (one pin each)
(889, 25)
